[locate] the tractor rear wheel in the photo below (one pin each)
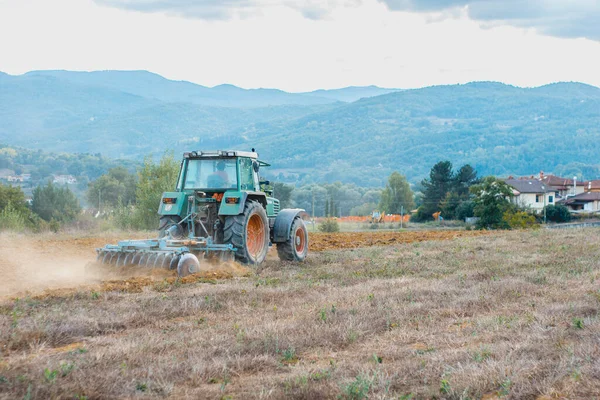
(248, 233)
(167, 222)
(296, 247)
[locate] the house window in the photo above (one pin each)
(550, 199)
(538, 198)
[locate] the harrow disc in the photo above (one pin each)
(158, 261)
(143, 259)
(121, 257)
(151, 259)
(188, 264)
(128, 259)
(174, 262)
(107, 257)
(136, 258)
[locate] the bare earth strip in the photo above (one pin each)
(509, 315)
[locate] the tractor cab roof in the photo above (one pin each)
(224, 154)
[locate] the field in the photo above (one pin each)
(371, 315)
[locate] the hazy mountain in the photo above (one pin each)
(351, 93)
(153, 86)
(499, 129)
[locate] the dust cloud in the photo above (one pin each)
(33, 264)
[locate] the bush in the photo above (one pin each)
(519, 220)
(421, 216)
(558, 213)
(55, 203)
(12, 219)
(466, 209)
(329, 225)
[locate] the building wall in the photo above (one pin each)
(529, 200)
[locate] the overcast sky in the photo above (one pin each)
(305, 45)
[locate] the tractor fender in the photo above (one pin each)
(237, 207)
(283, 223)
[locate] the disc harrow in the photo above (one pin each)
(181, 255)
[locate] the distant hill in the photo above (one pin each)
(153, 86)
(352, 93)
(499, 129)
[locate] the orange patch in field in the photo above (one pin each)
(351, 240)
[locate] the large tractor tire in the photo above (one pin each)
(248, 233)
(296, 247)
(167, 222)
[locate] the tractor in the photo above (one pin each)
(219, 211)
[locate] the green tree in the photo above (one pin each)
(283, 193)
(13, 196)
(153, 180)
(464, 178)
(491, 202)
(397, 194)
(465, 210)
(440, 182)
(55, 203)
(449, 205)
(116, 188)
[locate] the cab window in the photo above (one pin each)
(246, 174)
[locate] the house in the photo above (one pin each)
(562, 187)
(64, 179)
(588, 202)
(19, 178)
(531, 193)
(592, 186)
(14, 178)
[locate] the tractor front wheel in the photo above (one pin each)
(248, 233)
(296, 247)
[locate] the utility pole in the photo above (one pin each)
(313, 208)
(401, 216)
(545, 194)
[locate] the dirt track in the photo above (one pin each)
(34, 264)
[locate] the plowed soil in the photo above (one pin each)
(56, 265)
(350, 240)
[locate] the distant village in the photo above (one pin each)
(532, 192)
(7, 176)
(536, 192)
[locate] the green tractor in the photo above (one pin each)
(218, 211)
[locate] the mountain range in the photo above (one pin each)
(354, 134)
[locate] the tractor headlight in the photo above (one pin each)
(169, 200)
(232, 200)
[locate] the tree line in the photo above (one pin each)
(130, 200)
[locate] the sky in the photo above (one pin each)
(305, 45)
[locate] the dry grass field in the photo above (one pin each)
(509, 315)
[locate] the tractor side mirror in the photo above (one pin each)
(255, 166)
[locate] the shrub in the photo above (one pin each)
(465, 210)
(519, 220)
(421, 216)
(558, 213)
(55, 203)
(329, 225)
(12, 219)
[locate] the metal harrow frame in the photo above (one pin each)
(163, 253)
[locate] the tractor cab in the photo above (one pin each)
(219, 171)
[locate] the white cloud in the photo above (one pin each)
(277, 46)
